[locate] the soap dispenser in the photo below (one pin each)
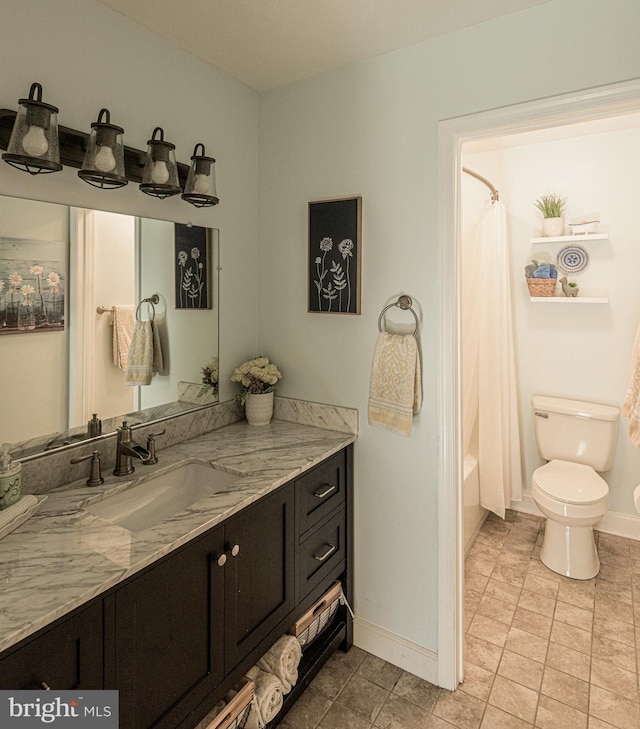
(10, 479)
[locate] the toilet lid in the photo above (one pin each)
(573, 483)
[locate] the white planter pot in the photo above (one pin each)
(552, 227)
(259, 408)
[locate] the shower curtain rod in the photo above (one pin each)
(494, 193)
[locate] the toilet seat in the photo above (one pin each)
(571, 483)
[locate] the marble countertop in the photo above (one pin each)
(64, 556)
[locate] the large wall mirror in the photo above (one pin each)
(62, 271)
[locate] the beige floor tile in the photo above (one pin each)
(362, 697)
(621, 655)
(339, 717)
(331, 680)
(527, 644)
(417, 691)
(612, 559)
(614, 709)
(566, 689)
(532, 622)
(531, 520)
(379, 672)
(460, 709)
(578, 593)
(614, 591)
(488, 629)
(503, 591)
(309, 709)
(608, 627)
(509, 574)
(571, 637)
(495, 527)
(498, 610)
(569, 661)
(521, 670)
(477, 681)
(615, 679)
(471, 600)
(621, 611)
(485, 549)
(398, 713)
(435, 722)
(495, 718)
(594, 723)
(537, 603)
(483, 654)
(350, 659)
(480, 564)
(573, 615)
(554, 715)
(476, 582)
(541, 585)
(539, 570)
(514, 698)
(620, 575)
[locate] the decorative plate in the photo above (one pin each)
(572, 259)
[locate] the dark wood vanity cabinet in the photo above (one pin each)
(174, 638)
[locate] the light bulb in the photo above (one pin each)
(160, 173)
(201, 184)
(105, 161)
(35, 143)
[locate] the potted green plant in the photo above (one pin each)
(552, 207)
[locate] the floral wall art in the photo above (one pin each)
(192, 267)
(334, 255)
(32, 286)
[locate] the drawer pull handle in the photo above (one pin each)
(45, 686)
(235, 550)
(327, 554)
(325, 493)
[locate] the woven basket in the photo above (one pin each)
(541, 286)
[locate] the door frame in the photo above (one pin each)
(596, 103)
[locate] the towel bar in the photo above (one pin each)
(404, 303)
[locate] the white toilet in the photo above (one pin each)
(577, 439)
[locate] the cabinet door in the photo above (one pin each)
(66, 657)
(168, 636)
(259, 577)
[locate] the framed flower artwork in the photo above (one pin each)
(335, 241)
(193, 267)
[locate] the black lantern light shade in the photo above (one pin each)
(200, 188)
(103, 164)
(160, 177)
(33, 146)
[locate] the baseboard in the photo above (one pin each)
(396, 650)
(613, 522)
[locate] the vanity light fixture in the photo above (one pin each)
(103, 164)
(160, 176)
(33, 146)
(200, 189)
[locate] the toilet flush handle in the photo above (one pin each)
(541, 415)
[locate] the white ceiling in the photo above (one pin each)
(270, 43)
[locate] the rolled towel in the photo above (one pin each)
(283, 659)
(268, 698)
(11, 512)
(543, 271)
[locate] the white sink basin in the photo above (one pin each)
(159, 497)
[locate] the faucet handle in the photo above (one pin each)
(151, 447)
(95, 477)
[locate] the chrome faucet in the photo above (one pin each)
(127, 449)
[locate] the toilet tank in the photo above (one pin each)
(575, 431)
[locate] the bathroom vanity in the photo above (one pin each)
(172, 616)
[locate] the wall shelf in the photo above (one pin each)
(578, 238)
(585, 296)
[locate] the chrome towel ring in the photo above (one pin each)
(152, 300)
(405, 303)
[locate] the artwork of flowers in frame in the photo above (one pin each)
(334, 255)
(32, 288)
(192, 267)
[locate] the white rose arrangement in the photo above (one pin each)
(256, 376)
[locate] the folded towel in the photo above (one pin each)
(395, 391)
(11, 512)
(122, 331)
(543, 271)
(145, 354)
(631, 404)
(268, 698)
(282, 659)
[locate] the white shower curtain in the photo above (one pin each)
(489, 394)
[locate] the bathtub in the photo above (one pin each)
(473, 514)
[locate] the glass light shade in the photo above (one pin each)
(33, 146)
(200, 189)
(103, 164)
(160, 176)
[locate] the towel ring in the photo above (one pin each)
(152, 300)
(404, 303)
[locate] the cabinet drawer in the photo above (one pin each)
(322, 553)
(320, 491)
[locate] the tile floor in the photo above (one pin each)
(541, 650)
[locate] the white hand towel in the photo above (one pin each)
(122, 331)
(145, 354)
(395, 391)
(282, 659)
(631, 404)
(268, 698)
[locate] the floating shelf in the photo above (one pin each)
(585, 296)
(577, 238)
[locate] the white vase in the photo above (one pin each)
(552, 227)
(259, 408)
